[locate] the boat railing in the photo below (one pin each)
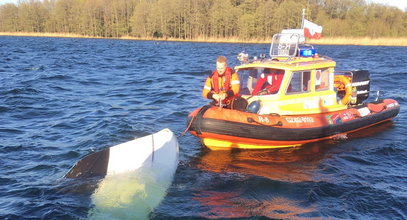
(344, 73)
(284, 45)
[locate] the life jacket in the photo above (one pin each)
(215, 79)
(273, 83)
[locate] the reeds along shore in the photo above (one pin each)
(364, 41)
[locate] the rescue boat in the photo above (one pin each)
(292, 98)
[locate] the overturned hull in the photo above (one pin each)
(225, 128)
(134, 176)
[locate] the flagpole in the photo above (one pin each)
(303, 17)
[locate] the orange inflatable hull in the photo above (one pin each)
(221, 128)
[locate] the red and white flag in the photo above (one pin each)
(312, 30)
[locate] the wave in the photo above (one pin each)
(20, 91)
(198, 73)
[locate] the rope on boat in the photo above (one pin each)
(189, 125)
(200, 112)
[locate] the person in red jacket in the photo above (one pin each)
(223, 84)
(268, 83)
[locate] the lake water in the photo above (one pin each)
(61, 99)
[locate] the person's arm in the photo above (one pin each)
(275, 86)
(207, 90)
(235, 86)
(259, 85)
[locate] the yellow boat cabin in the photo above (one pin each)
(295, 80)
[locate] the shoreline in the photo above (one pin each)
(360, 41)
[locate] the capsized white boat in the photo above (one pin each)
(136, 175)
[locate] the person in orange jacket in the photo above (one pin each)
(223, 84)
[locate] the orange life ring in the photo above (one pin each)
(342, 83)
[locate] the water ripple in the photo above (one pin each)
(62, 99)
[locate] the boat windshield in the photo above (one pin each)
(260, 81)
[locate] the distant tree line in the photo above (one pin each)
(192, 19)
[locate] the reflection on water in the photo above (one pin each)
(263, 175)
(288, 165)
(232, 205)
